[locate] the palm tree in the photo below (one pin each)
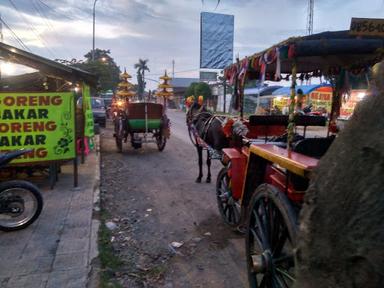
(141, 68)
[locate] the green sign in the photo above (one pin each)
(88, 114)
(42, 122)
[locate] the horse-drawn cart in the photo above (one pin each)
(270, 179)
(143, 123)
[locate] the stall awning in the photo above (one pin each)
(286, 91)
(261, 91)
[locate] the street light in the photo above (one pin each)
(93, 38)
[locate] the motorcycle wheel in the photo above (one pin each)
(20, 204)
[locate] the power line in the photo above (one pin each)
(32, 28)
(54, 10)
(15, 36)
(176, 72)
(39, 9)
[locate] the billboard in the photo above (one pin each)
(216, 40)
(42, 122)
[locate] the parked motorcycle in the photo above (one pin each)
(20, 201)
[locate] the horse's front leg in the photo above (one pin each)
(200, 155)
(209, 168)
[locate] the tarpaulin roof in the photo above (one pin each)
(318, 52)
(267, 90)
(286, 91)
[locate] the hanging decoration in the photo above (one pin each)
(243, 69)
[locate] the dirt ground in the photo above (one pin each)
(153, 199)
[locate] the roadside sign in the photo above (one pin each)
(208, 76)
(88, 114)
(367, 27)
(42, 122)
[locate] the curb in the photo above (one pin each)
(93, 274)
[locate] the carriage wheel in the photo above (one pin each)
(191, 136)
(229, 208)
(161, 141)
(119, 131)
(119, 143)
(270, 239)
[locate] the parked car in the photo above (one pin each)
(108, 103)
(98, 109)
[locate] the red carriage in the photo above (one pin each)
(263, 184)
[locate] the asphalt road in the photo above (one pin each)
(153, 199)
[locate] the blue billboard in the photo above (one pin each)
(216, 40)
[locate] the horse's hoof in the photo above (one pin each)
(208, 180)
(198, 180)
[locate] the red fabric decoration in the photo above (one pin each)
(227, 129)
(291, 51)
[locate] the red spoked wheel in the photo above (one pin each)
(229, 207)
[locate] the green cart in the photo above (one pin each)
(144, 123)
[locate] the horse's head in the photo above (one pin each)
(193, 111)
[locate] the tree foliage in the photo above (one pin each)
(197, 89)
(104, 67)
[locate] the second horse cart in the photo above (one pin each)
(142, 123)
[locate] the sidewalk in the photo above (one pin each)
(56, 251)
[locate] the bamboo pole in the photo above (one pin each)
(291, 120)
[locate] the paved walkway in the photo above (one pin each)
(57, 249)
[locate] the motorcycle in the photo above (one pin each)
(20, 201)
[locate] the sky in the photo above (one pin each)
(166, 30)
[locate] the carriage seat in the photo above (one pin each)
(313, 147)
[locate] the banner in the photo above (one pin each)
(88, 114)
(42, 122)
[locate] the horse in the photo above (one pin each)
(209, 129)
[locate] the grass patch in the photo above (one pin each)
(108, 260)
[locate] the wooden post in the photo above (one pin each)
(291, 119)
(75, 164)
(82, 146)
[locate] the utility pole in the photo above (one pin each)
(1, 30)
(93, 38)
(225, 93)
(2, 39)
(311, 5)
(173, 68)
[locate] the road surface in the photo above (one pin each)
(153, 199)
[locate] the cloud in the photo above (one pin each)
(163, 30)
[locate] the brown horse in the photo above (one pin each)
(208, 128)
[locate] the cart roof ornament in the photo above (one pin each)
(125, 88)
(125, 75)
(164, 89)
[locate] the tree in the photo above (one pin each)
(198, 89)
(104, 67)
(141, 68)
(341, 239)
(190, 90)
